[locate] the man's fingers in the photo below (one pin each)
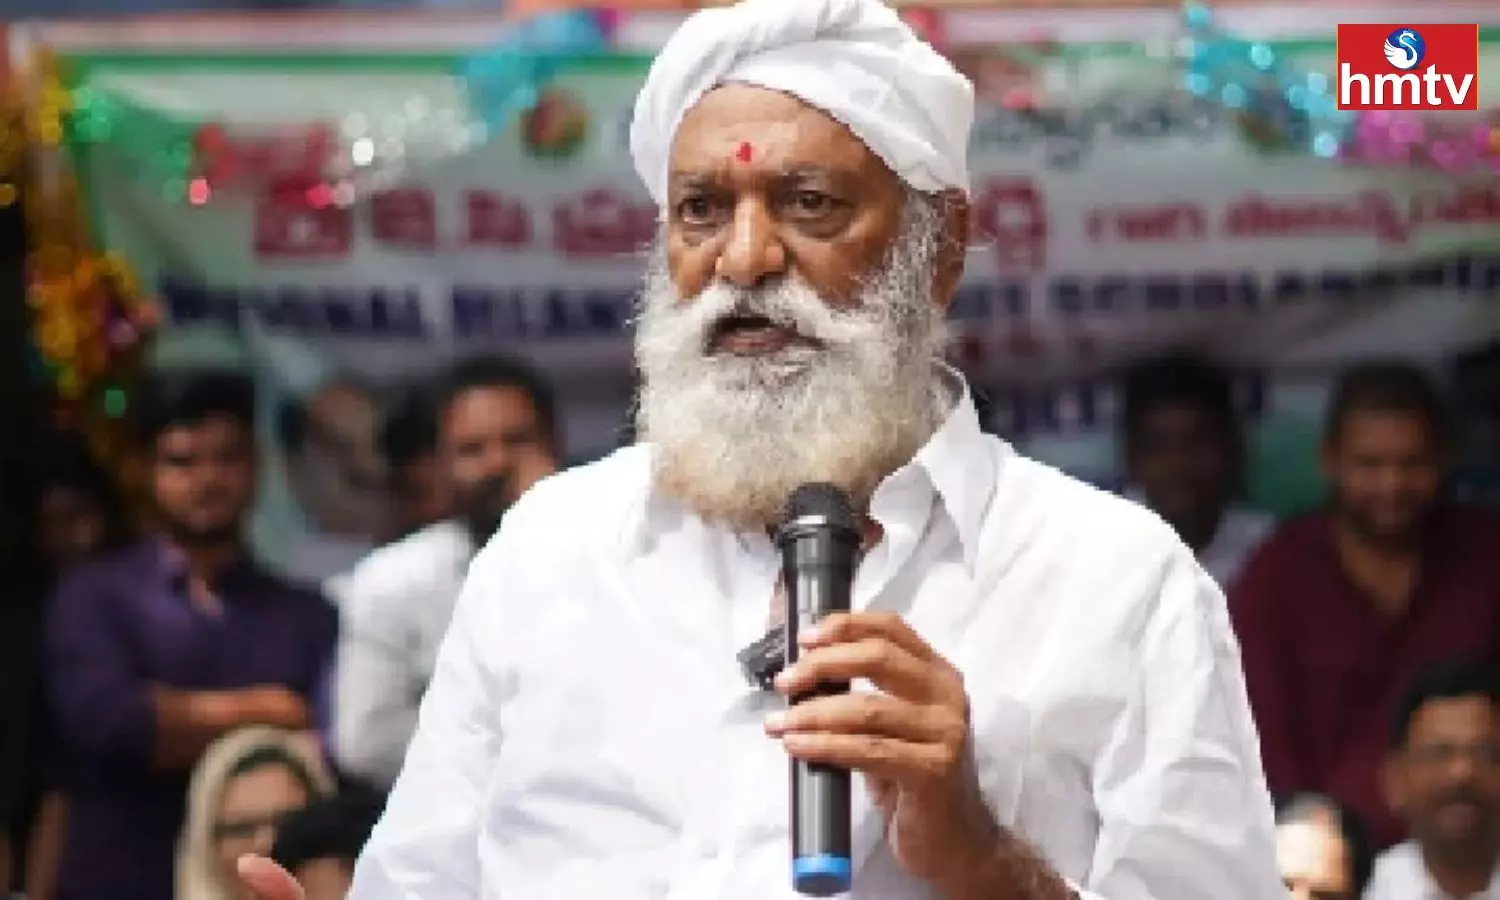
(874, 715)
(902, 762)
(841, 628)
(888, 666)
(268, 881)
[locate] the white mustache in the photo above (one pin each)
(789, 304)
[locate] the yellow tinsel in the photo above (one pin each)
(13, 145)
(74, 290)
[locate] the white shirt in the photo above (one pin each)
(1400, 874)
(395, 607)
(588, 733)
(1240, 531)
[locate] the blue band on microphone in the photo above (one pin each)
(824, 875)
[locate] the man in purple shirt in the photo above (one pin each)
(156, 651)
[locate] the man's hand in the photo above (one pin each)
(911, 740)
(268, 881)
(274, 705)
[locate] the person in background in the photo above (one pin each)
(247, 783)
(497, 436)
(1321, 849)
(1442, 777)
(155, 651)
(320, 843)
(75, 512)
(331, 463)
(1184, 455)
(1340, 609)
(409, 444)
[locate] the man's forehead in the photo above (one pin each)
(787, 172)
(1447, 715)
(750, 126)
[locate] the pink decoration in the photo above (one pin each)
(122, 334)
(1406, 139)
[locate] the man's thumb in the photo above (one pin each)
(268, 881)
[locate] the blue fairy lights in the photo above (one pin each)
(1278, 104)
(508, 78)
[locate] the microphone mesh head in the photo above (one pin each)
(824, 501)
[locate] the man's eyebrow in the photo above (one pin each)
(810, 171)
(710, 179)
(695, 181)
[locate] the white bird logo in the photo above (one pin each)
(1404, 53)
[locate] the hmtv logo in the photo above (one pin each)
(1408, 67)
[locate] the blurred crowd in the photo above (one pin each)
(170, 703)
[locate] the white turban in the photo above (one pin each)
(853, 59)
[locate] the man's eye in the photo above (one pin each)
(695, 210)
(811, 203)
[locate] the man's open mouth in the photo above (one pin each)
(751, 335)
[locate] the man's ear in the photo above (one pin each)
(953, 207)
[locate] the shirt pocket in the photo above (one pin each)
(584, 739)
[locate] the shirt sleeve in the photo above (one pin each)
(1184, 811)
(101, 705)
(1257, 623)
(374, 695)
(426, 846)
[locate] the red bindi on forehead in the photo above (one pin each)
(744, 152)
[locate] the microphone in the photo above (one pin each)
(819, 539)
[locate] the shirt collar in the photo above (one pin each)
(958, 461)
(171, 562)
(955, 463)
(1401, 870)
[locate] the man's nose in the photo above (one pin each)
(1462, 770)
(497, 459)
(752, 252)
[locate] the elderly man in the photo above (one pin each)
(1054, 706)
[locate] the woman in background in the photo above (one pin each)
(246, 783)
(1321, 849)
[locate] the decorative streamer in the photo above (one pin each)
(1280, 106)
(1283, 107)
(90, 322)
(321, 163)
(510, 78)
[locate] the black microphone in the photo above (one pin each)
(819, 540)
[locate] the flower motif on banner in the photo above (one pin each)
(513, 79)
(1279, 106)
(556, 124)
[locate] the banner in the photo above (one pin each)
(1115, 214)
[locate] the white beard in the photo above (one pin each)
(733, 436)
